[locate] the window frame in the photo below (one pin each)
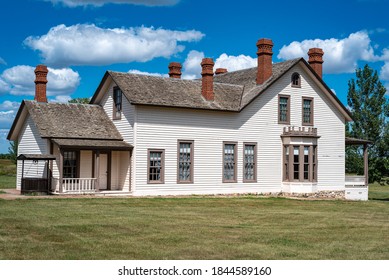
(244, 163)
(311, 119)
(115, 106)
(312, 163)
(287, 108)
(162, 180)
(234, 180)
(298, 85)
(77, 167)
(191, 142)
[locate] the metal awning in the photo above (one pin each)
(356, 141)
(90, 144)
(36, 157)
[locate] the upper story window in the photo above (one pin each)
(229, 162)
(117, 99)
(296, 80)
(185, 162)
(156, 166)
(250, 162)
(283, 109)
(307, 111)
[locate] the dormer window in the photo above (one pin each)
(117, 99)
(296, 80)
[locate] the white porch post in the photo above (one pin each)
(60, 171)
(97, 171)
(366, 164)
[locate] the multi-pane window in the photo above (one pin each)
(185, 161)
(296, 81)
(296, 162)
(70, 164)
(156, 166)
(117, 99)
(229, 162)
(283, 109)
(300, 163)
(249, 164)
(307, 111)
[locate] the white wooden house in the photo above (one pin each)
(276, 127)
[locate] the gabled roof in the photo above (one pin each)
(233, 90)
(66, 120)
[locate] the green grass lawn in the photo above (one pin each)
(193, 228)
(7, 174)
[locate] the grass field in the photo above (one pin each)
(193, 228)
(7, 174)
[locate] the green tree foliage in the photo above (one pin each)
(370, 109)
(13, 151)
(81, 100)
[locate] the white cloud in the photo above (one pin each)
(340, 55)
(192, 67)
(234, 63)
(61, 99)
(8, 111)
(19, 80)
(384, 74)
(4, 144)
(134, 71)
(2, 61)
(99, 3)
(87, 44)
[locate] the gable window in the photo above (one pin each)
(296, 80)
(283, 109)
(185, 162)
(307, 111)
(229, 162)
(70, 164)
(156, 166)
(250, 162)
(302, 165)
(117, 99)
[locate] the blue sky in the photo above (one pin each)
(80, 40)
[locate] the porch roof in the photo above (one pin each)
(93, 144)
(35, 157)
(356, 141)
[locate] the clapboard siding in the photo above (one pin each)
(160, 128)
(126, 124)
(86, 164)
(31, 143)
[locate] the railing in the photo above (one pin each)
(79, 185)
(355, 181)
(299, 131)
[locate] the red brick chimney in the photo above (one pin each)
(316, 60)
(265, 66)
(40, 83)
(175, 70)
(207, 78)
(221, 71)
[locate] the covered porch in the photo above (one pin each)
(85, 166)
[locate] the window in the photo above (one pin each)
(296, 80)
(302, 166)
(70, 166)
(307, 111)
(117, 99)
(283, 109)
(250, 162)
(156, 162)
(185, 162)
(229, 162)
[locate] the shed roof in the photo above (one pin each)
(93, 144)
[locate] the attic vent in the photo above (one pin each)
(296, 80)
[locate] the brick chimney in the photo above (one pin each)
(265, 67)
(207, 78)
(221, 71)
(316, 60)
(40, 83)
(175, 70)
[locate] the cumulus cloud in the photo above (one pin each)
(87, 44)
(19, 80)
(8, 111)
(191, 66)
(234, 63)
(134, 71)
(384, 74)
(340, 55)
(2, 61)
(99, 3)
(4, 144)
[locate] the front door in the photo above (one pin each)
(103, 172)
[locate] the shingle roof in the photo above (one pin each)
(93, 144)
(65, 120)
(233, 90)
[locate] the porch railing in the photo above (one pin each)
(79, 185)
(355, 181)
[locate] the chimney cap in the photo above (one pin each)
(175, 64)
(315, 55)
(207, 61)
(221, 71)
(175, 70)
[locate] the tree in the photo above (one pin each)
(13, 151)
(370, 109)
(81, 100)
